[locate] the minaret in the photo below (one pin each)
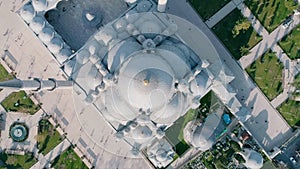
(161, 6)
(36, 84)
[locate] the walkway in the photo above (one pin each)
(223, 12)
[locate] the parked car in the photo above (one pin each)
(287, 22)
(292, 159)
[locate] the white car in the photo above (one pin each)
(287, 22)
(293, 160)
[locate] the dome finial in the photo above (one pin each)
(146, 82)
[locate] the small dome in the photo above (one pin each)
(46, 34)
(253, 159)
(130, 1)
(93, 47)
(142, 132)
(40, 5)
(63, 55)
(69, 67)
(83, 56)
(144, 6)
(27, 13)
(161, 155)
(55, 45)
(37, 24)
(120, 25)
(106, 35)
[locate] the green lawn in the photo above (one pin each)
(47, 137)
(266, 71)
(245, 39)
(290, 108)
(207, 8)
(4, 75)
(68, 159)
(175, 132)
(291, 44)
(17, 161)
(19, 102)
(271, 13)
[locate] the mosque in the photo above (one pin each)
(140, 72)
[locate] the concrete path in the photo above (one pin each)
(257, 26)
(212, 21)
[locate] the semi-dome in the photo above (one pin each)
(37, 24)
(27, 13)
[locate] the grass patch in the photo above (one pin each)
(207, 8)
(4, 75)
(290, 108)
(47, 137)
(246, 39)
(266, 71)
(290, 111)
(175, 132)
(19, 102)
(271, 13)
(68, 159)
(17, 161)
(291, 44)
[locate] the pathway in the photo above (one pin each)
(223, 12)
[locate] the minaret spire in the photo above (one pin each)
(35, 84)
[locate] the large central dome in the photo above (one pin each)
(148, 81)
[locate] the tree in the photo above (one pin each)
(241, 24)
(244, 50)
